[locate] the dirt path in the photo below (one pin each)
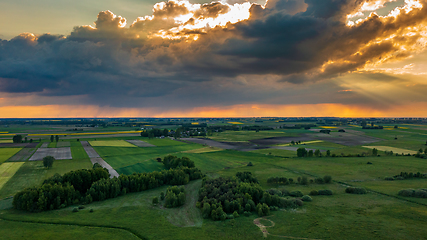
(265, 232)
(95, 158)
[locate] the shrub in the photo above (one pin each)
(81, 207)
(298, 202)
(314, 193)
(247, 214)
(356, 190)
(389, 178)
(399, 178)
(420, 193)
(406, 192)
(319, 180)
(155, 200)
(296, 194)
(306, 198)
(75, 209)
(230, 216)
(304, 180)
(162, 196)
(91, 210)
(327, 179)
(235, 214)
(250, 164)
(325, 192)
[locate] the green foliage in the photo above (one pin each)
(296, 193)
(304, 180)
(314, 193)
(162, 196)
(75, 209)
(278, 180)
(419, 193)
(175, 197)
(374, 152)
(17, 138)
(327, 179)
(306, 198)
(356, 190)
(301, 152)
(250, 164)
(325, 192)
(172, 162)
(246, 177)
(155, 200)
(48, 161)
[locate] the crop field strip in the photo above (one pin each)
(114, 143)
(63, 144)
(7, 153)
(140, 143)
(95, 158)
(394, 149)
(57, 153)
(7, 170)
(22, 155)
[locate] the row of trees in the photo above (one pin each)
(302, 152)
(85, 186)
(300, 180)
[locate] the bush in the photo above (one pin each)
(91, 210)
(304, 180)
(325, 192)
(314, 193)
(296, 194)
(162, 196)
(75, 209)
(236, 214)
(356, 190)
(306, 198)
(81, 207)
(155, 200)
(327, 179)
(247, 214)
(250, 164)
(389, 178)
(319, 180)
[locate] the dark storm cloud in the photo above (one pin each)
(297, 41)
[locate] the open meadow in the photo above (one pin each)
(348, 159)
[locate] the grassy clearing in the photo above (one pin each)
(6, 153)
(7, 170)
(395, 150)
(116, 143)
(20, 230)
(79, 153)
(52, 145)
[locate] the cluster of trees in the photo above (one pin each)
(85, 186)
(300, 180)
(298, 126)
(246, 177)
(176, 162)
(58, 191)
(175, 197)
(48, 161)
(372, 127)
(406, 175)
(221, 196)
(419, 193)
(302, 152)
(17, 138)
(156, 132)
(257, 128)
(326, 131)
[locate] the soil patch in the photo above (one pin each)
(22, 155)
(57, 153)
(9, 145)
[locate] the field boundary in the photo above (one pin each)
(77, 224)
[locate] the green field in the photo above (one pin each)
(7, 170)
(6, 153)
(379, 214)
(394, 149)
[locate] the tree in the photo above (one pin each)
(292, 142)
(310, 153)
(328, 153)
(51, 138)
(301, 152)
(56, 138)
(17, 139)
(26, 139)
(317, 153)
(155, 200)
(375, 152)
(48, 161)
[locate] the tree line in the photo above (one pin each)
(85, 186)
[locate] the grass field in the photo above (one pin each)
(6, 153)
(203, 150)
(276, 152)
(7, 170)
(244, 136)
(117, 143)
(6, 141)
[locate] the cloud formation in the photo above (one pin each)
(215, 53)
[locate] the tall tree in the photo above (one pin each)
(48, 161)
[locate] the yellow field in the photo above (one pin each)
(395, 150)
(6, 141)
(204, 150)
(327, 127)
(355, 126)
(115, 143)
(308, 142)
(194, 123)
(7, 170)
(235, 122)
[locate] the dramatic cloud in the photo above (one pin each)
(221, 53)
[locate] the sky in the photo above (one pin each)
(229, 58)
